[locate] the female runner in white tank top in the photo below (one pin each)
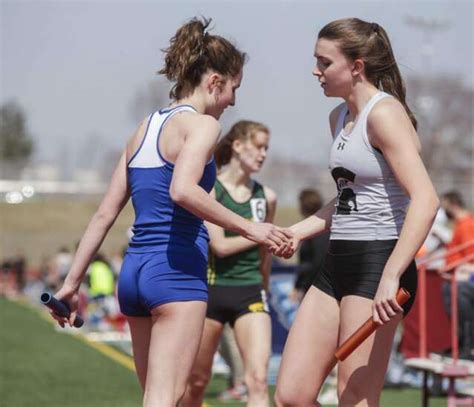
(384, 209)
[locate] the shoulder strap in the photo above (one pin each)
(219, 190)
(146, 156)
(165, 115)
(258, 190)
(340, 120)
(373, 102)
(367, 109)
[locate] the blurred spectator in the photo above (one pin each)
(12, 276)
(7, 280)
(101, 277)
(438, 237)
(463, 232)
(50, 274)
(102, 306)
(62, 263)
(43, 269)
(34, 285)
(312, 251)
(19, 270)
(236, 389)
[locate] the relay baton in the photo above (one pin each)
(60, 308)
(367, 329)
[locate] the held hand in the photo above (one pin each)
(385, 306)
(269, 235)
(287, 251)
(71, 298)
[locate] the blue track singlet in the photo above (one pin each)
(167, 257)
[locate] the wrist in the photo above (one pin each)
(247, 229)
(71, 285)
(391, 275)
(296, 233)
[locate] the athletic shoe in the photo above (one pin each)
(236, 393)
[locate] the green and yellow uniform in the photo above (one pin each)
(241, 268)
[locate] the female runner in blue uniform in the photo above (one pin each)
(168, 170)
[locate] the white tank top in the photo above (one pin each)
(370, 205)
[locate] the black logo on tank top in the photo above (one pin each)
(346, 197)
(340, 146)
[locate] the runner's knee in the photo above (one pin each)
(293, 399)
(198, 381)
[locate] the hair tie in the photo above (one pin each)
(202, 49)
(374, 27)
(206, 27)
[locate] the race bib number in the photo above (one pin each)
(259, 209)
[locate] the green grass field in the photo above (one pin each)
(42, 367)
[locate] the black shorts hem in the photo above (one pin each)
(356, 267)
(325, 289)
(227, 303)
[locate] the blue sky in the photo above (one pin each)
(76, 66)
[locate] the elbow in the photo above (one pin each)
(430, 204)
(219, 254)
(219, 247)
(178, 195)
(434, 204)
(219, 251)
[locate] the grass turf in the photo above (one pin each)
(41, 367)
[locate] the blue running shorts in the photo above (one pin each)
(150, 279)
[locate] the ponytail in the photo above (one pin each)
(193, 51)
(184, 54)
(390, 79)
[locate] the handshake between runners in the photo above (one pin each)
(280, 241)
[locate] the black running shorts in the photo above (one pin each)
(227, 303)
(354, 267)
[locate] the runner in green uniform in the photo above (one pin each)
(239, 269)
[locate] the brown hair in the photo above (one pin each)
(369, 42)
(310, 201)
(193, 51)
(454, 198)
(242, 130)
